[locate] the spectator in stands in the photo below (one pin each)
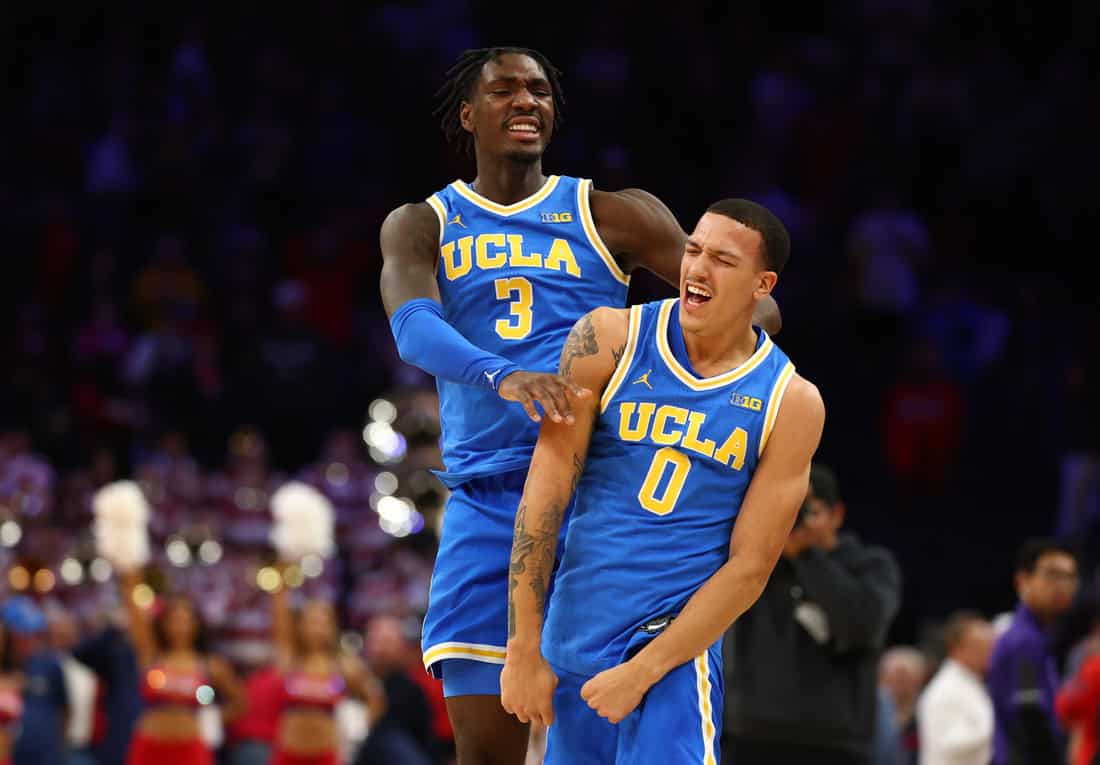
(80, 685)
(391, 656)
(955, 713)
(801, 679)
(252, 735)
(1023, 677)
(108, 653)
(41, 738)
(902, 673)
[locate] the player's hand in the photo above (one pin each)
(615, 692)
(551, 391)
(527, 688)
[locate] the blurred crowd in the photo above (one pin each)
(190, 200)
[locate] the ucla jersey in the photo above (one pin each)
(669, 462)
(513, 280)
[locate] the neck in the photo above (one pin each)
(506, 181)
(1044, 619)
(714, 352)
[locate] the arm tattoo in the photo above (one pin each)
(617, 353)
(581, 342)
(533, 553)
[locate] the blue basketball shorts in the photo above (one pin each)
(467, 616)
(679, 721)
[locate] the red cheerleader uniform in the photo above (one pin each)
(11, 710)
(302, 691)
(162, 686)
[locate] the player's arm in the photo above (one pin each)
(410, 251)
(588, 358)
(767, 515)
(641, 231)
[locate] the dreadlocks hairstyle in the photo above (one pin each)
(459, 86)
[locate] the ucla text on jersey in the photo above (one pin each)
(513, 280)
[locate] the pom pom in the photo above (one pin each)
(121, 525)
(303, 522)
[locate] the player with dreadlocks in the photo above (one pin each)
(482, 283)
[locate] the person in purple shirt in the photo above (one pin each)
(1023, 677)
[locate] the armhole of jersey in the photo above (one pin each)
(589, 224)
(774, 400)
(621, 368)
(440, 212)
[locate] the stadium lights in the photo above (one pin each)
(143, 596)
(397, 516)
(385, 483)
(381, 410)
(337, 474)
(19, 578)
(210, 552)
(100, 570)
(10, 533)
(44, 580)
(72, 573)
(179, 554)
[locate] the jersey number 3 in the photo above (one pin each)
(662, 459)
(517, 290)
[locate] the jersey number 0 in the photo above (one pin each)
(662, 459)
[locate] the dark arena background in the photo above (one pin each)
(190, 204)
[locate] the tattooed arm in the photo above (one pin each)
(588, 359)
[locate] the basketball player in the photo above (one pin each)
(689, 465)
(482, 284)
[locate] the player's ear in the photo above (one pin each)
(465, 116)
(765, 284)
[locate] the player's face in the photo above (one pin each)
(511, 110)
(722, 273)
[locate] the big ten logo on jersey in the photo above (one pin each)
(746, 402)
(556, 217)
(492, 251)
(668, 425)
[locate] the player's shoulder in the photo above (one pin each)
(632, 201)
(801, 416)
(606, 322)
(803, 398)
(411, 217)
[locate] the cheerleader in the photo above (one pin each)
(316, 675)
(177, 678)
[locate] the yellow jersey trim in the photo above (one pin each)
(706, 711)
(440, 212)
(584, 205)
(774, 401)
(707, 383)
(499, 209)
(617, 377)
(491, 654)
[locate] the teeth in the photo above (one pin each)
(693, 290)
(524, 128)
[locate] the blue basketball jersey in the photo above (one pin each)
(669, 462)
(513, 280)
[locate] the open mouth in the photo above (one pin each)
(695, 295)
(524, 128)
